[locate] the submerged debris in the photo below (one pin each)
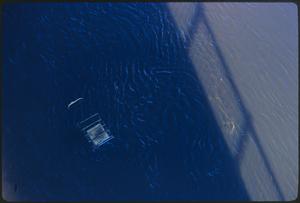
(90, 124)
(95, 130)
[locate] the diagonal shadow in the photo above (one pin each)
(188, 158)
(167, 115)
(207, 136)
(247, 129)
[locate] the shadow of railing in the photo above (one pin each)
(136, 119)
(166, 129)
(210, 137)
(247, 128)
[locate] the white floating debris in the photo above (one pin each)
(74, 102)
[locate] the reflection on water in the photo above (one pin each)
(247, 146)
(136, 65)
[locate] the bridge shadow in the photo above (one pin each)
(131, 64)
(246, 124)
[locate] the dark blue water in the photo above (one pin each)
(130, 64)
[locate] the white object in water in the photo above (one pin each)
(94, 130)
(75, 101)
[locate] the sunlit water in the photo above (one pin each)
(131, 64)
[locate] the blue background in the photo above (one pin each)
(130, 64)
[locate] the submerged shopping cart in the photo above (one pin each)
(94, 130)
(92, 127)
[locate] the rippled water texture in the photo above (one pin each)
(130, 62)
